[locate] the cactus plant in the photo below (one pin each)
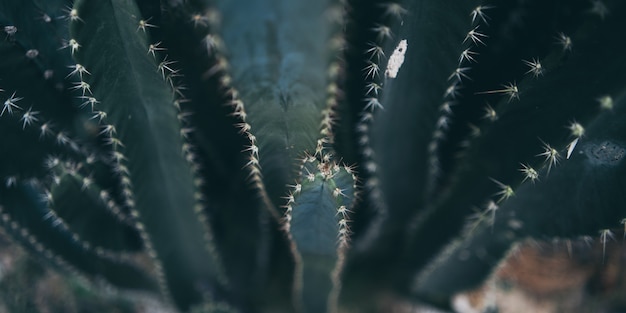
(307, 156)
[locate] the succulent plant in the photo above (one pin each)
(307, 156)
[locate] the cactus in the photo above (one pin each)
(307, 156)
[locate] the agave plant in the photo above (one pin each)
(307, 156)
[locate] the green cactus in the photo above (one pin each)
(307, 156)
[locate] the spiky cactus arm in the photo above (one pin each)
(132, 90)
(404, 109)
(254, 248)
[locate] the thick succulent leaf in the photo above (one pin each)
(140, 105)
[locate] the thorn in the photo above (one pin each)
(89, 101)
(382, 32)
(82, 86)
(112, 141)
(576, 129)
(10, 30)
(45, 17)
(474, 130)
(29, 117)
(254, 150)
(493, 208)
(446, 107)
(505, 191)
(372, 69)
(78, 69)
(490, 113)
(375, 51)
(605, 234)
(452, 91)
(467, 55)
(87, 181)
(297, 188)
(45, 130)
(372, 103)
(479, 13)
(32, 53)
(529, 173)
(535, 67)
(606, 102)
(509, 89)
(152, 48)
(72, 44)
(475, 36)
(565, 41)
(143, 24)
(9, 104)
(338, 192)
(165, 65)
(72, 14)
(109, 130)
(373, 87)
(459, 72)
(443, 122)
(100, 115)
(394, 9)
(199, 20)
(63, 139)
(550, 154)
(211, 43)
